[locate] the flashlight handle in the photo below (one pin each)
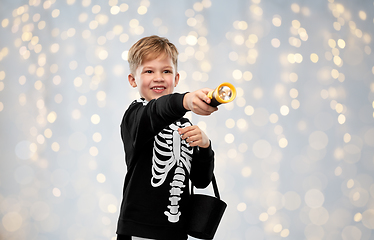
(213, 100)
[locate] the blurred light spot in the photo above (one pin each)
(294, 93)
(56, 192)
(359, 197)
(55, 13)
(246, 172)
(277, 20)
(240, 101)
(101, 178)
(285, 233)
(362, 15)
(247, 76)
(93, 151)
(318, 140)
(318, 216)
(314, 198)
(293, 77)
(368, 218)
(230, 123)
(123, 7)
(241, 207)
(339, 154)
(295, 104)
(262, 149)
(283, 142)
(242, 124)
(55, 146)
(55, 47)
(73, 65)
(116, 9)
(229, 138)
(233, 56)
(263, 217)
(48, 133)
(112, 208)
(284, 110)
(275, 42)
(274, 176)
(341, 119)
(92, 165)
(295, 7)
(125, 55)
(40, 139)
(5, 22)
(52, 116)
(95, 119)
(191, 40)
(338, 171)
(357, 217)
(277, 228)
(12, 221)
(237, 74)
(341, 43)
(239, 40)
(273, 118)
(296, 24)
(258, 93)
(108, 203)
(331, 43)
(96, 137)
(351, 233)
(243, 147)
(314, 57)
(249, 110)
(38, 85)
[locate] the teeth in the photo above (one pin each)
(158, 88)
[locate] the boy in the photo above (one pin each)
(163, 150)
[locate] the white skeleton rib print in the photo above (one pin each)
(170, 150)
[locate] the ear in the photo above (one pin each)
(176, 80)
(132, 81)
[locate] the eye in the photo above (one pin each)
(168, 71)
(148, 71)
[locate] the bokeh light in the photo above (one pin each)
(294, 151)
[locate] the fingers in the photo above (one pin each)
(198, 102)
(201, 107)
(194, 136)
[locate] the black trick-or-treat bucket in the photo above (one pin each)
(205, 213)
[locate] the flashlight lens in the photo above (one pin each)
(225, 93)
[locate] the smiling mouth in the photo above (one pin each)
(158, 89)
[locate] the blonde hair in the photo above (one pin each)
(150, 48)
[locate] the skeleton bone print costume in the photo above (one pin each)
(159, 167)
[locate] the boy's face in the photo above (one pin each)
(155, 77)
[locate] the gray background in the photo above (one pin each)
(294, 151)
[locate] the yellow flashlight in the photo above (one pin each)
(224, 93)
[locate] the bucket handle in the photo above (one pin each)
(215, 187)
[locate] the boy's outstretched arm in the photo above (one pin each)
(198, 101)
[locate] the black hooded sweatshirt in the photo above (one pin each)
(159, 167)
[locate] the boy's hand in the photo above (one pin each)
(194, 136)
(198, 101)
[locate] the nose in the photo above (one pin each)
(158, 77)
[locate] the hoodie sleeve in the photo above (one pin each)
(202, 167)
(142, 121)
